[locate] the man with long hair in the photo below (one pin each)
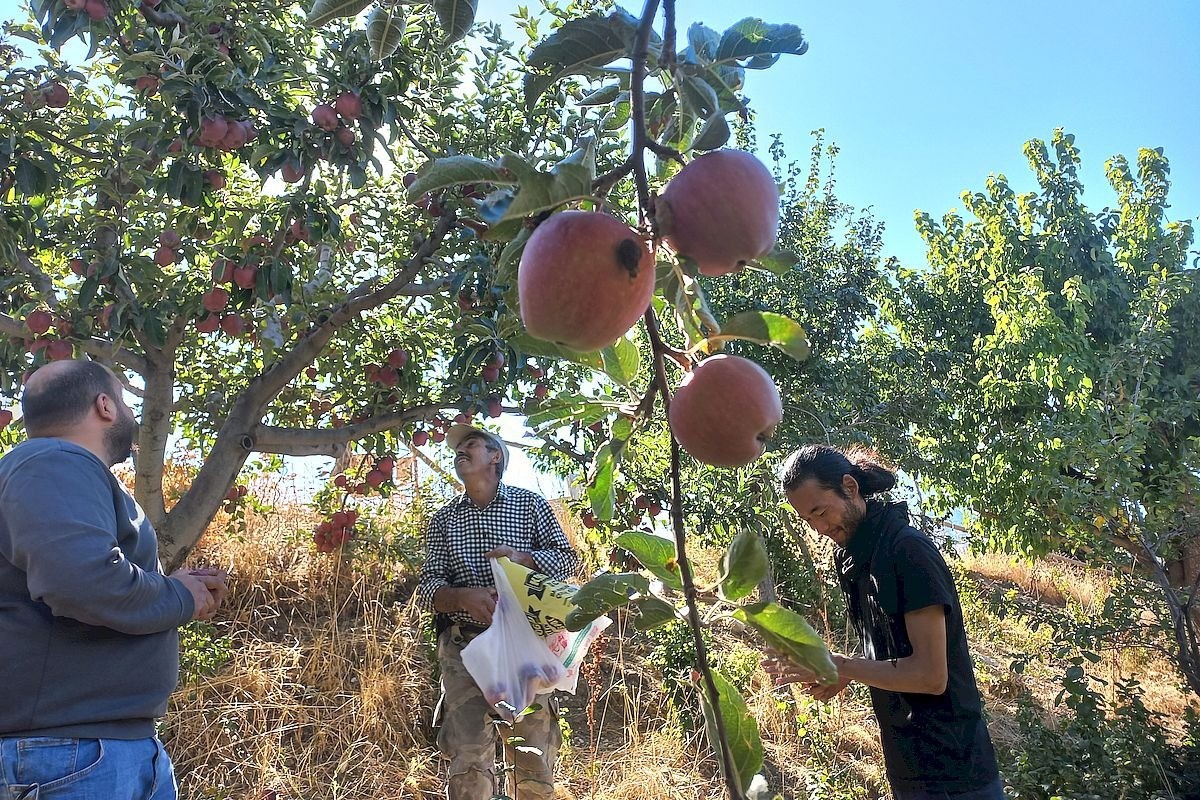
(902, 602)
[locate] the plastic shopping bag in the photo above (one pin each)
(572, 648)
(510, 663)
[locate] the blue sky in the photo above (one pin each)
(927, 98)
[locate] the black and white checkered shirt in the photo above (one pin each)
(460, 533)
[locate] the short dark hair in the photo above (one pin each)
(827, 464)
(64, 399)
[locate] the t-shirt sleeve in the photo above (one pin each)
(922, 576)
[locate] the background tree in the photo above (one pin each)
(1048, 364)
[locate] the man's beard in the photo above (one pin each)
(119, 438)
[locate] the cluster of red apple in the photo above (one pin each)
(644, 505)
(585, 278)
(223, 133)
(38, 322)
(388, 373)
(233, 497)
(378, 475)
(335, 531)
(328, 117)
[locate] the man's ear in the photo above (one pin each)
(106, 407)
(850, 486)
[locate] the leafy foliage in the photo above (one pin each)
(1047, 364)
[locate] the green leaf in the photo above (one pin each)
(570, 179)
(456, 17)
(714, 134)
(790, 633)
(455, 171)
(604, 95)
(741, 730)
(656, 553)
(565, 410)
(621, 361)
(743, 566)
(385, 30)
(753, 37)
(703, 42)
(652, 612)
(538, 347)
(604, 593)
(601, 493)
(777, 262)
(766, 327)
(323, 11)
(579, 45)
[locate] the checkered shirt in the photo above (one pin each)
(460, 533)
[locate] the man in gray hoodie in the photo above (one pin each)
(88, 623)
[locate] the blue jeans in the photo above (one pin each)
(51, 768)
(993, 791)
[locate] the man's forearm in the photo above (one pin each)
(446, 599)
(898, 675)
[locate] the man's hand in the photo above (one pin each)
(784, 671)
(515, 556)
(477, 601)
(207, 588)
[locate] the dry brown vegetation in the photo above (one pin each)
(330, 684)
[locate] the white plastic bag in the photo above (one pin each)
(509, 662)
(572, 647)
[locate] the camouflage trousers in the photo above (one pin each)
(467, 736)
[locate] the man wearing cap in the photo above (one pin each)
(488, 520)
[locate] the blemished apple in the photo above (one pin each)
(725, 411)
(585, 278)
(721, 211)
(38, 322)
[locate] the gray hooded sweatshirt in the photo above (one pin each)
(89, 645)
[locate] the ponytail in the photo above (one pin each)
(827, 464)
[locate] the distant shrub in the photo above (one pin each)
(1100, 750)
(202, 651)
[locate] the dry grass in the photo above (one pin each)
(332, 681)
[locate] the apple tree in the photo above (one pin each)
(1047, 361)
(302, 232)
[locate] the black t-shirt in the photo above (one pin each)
(931, 742)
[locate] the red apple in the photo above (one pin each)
(420, 438)
(170, 238)
(233, 325)
(291, 173)
(164, 256)
(325, 118)
(6, 417)
(246, 276)
(398, 358)
(56, 95)
(147, 84)
(721, 211)
(584, 279)
(208, 324)
(59, 349)
(725, 411)
(349, 106)
(38, 322)
(214, 300)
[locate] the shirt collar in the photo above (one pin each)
(464, 500)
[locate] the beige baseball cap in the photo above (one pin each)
(457, 433)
